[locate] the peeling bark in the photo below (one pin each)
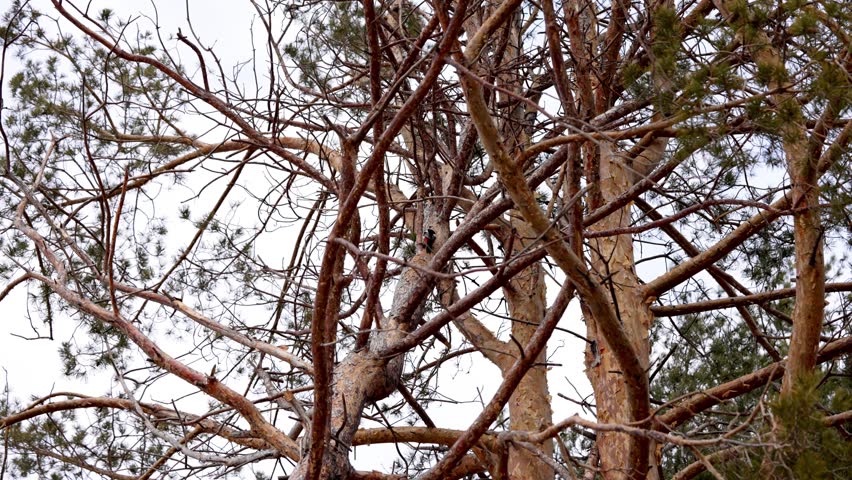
(612, 262)
(364, 377)
(529, 406)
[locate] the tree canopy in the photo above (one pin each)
(279, 254)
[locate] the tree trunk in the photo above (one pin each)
(526, 293)
(810, 265)
(364, 377)
(613, 264)
(527, 410)
(808, 235)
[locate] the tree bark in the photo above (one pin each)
(612, 262)
(527, 410)
(808, 236)
(634, 376)
(364, 377)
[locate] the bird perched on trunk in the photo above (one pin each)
(429, 239)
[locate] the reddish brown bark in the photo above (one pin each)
(803, 166)
(609, 328)
(527, 410)
(613, 265)
(696, 403)
(810, 264)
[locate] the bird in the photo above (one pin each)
(429, 236)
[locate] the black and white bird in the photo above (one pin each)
(429, 237)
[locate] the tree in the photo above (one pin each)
(678, 168)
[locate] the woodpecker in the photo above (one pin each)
(429, 237)
(596, 353)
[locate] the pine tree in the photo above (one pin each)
(380, 189)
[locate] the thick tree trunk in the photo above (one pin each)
(529, 406)
(364, 377)
(810, 265)
(808, 235)
(613, 263)
(804, 169)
